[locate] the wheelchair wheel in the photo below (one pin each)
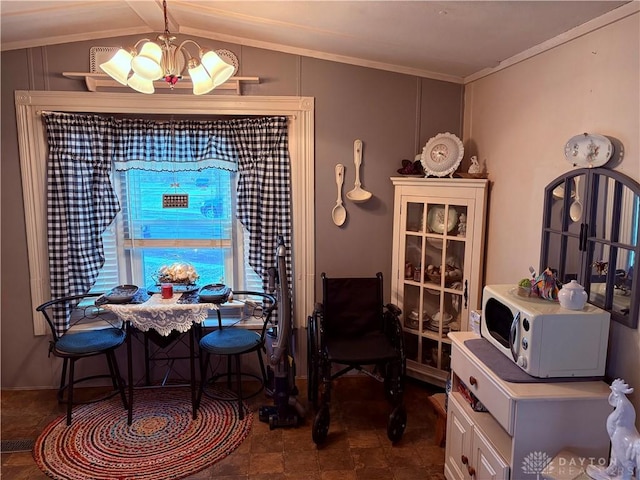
(397, 423)
(321, 425)
(312, 368)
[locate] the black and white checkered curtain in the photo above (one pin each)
(264, 186)
(82, 202)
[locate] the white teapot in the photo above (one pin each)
(572, 296)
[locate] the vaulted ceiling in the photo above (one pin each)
(448, 40)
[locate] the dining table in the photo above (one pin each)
(150, 311)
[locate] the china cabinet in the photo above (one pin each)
(438, 240)
(591, 230)
(522, 426)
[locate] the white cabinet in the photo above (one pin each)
(438, 248)
(459, 431)
(526, 424)
(469, 454)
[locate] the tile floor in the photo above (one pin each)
(357, 446)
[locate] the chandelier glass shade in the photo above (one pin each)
(147, 61)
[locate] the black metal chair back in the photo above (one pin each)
(93, 331)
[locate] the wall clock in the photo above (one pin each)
(442, 154)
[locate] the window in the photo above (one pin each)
(145, 236)
(33, 154)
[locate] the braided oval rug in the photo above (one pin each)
(163, 442)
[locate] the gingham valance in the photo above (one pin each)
(175, 146)
(82, 202)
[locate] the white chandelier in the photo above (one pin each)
(165, 60)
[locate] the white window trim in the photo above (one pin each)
(33, 162)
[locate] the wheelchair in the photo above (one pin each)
(352, 329)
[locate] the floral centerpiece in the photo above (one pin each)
(178, 273)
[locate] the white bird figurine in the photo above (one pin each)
(475, 166)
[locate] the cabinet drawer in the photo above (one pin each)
(491, 396)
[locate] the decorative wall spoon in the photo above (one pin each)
(358, 194)
(339, 213)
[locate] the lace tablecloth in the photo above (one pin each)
(162, 315)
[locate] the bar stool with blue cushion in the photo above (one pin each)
(232, 343)
(92, 331)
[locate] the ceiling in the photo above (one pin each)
(451, 40)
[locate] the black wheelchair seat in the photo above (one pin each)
(369, 349)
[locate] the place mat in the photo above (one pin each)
(140, 297)
(189, 297)
(177, 288)
(162, 443)
(506, 369)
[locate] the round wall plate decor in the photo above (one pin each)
(442, 154)
(588, 150)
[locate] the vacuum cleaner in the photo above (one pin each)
(287, 411)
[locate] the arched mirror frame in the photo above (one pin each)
(592, 221)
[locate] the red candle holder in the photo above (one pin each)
(167, 290)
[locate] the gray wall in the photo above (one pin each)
(393, 114)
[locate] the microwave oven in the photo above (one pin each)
(541, 337)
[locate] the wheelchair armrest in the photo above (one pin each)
(394, 309)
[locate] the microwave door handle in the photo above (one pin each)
(514, 334)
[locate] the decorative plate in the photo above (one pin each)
(588, 150)
(100, 55)
(229, 57)
(442, 154)
(558, 192)
(446, 318)
(435, 219)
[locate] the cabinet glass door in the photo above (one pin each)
(435, 254)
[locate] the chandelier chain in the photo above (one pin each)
(166, 19)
